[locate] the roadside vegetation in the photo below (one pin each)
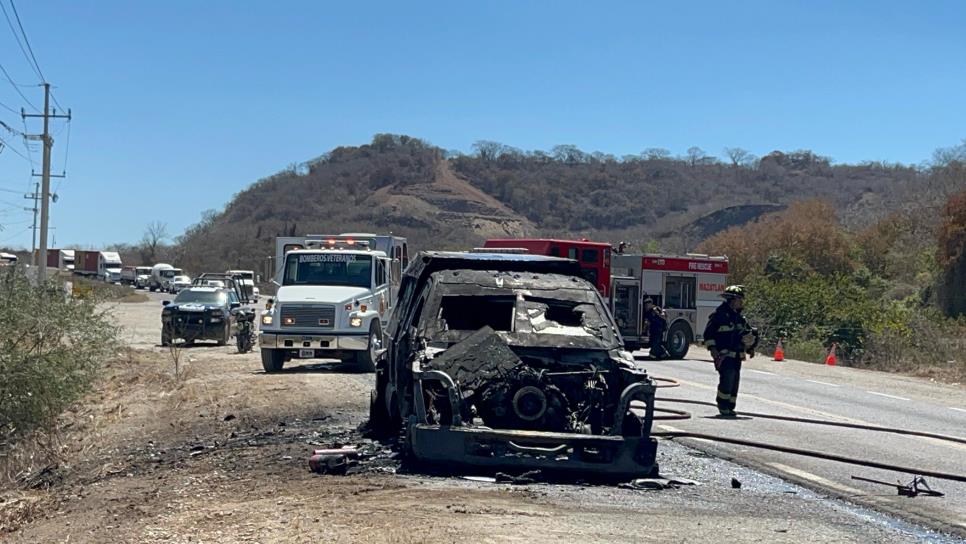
(51, 348)
(889, 296)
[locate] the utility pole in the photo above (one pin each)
(45, 175)
(35, 196)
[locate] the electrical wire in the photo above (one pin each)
(16, 87)
(16, 234)
(6, 145)
(66, 157)
(36, 65)
(8, 108)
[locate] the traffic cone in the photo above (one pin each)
(779, 351)
(831, 360)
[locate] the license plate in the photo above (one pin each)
(306, 353)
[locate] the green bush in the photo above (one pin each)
(51, 347)
(793, 302)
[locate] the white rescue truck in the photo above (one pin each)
(688, 287)
(335, 295)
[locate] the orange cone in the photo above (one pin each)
(779, 351)
(831, 360)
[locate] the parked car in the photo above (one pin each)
(199, 313)
(178, 283)
(497, 360)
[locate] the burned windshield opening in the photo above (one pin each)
(470, 313)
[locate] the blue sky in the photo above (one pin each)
(178, 105)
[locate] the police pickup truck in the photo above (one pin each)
(334, 297)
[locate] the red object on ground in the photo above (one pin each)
(779, 351)
(831, 360)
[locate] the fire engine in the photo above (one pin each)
(688, 286)
(594, 257)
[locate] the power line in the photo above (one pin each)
(26, 41)
(18, 233)
(66, 156)
(7, 146)
(8, 108)
(16, 87)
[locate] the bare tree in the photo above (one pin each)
(696, 156)
(655, 153)
(154, 236)
(738, 156)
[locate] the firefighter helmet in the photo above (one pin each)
(734, 291)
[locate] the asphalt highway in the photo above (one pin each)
(794, 388)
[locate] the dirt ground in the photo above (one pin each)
(219, 453)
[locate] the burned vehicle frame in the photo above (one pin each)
(512, 362)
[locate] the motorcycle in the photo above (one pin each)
(245, 329)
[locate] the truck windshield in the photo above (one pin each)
(328, 269)
(201, 297)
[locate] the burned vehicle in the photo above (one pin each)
(512, 362)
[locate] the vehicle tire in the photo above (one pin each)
(272, 360)
(165, 336)
(225, 335)
(153, 288)
(365, 361)
(679, 338)
(632, 346)
(382, 424)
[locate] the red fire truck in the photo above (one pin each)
(688, 287)
(594, 257)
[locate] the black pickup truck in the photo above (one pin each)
(199, 313)
(507, 362)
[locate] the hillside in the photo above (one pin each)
(406, 186)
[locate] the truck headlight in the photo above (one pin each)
(355, 322)
(266, 320)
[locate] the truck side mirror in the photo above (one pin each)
(235, 305)
(165, 302)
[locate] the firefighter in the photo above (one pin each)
(656, 326)
(729, 338)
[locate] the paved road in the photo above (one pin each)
(840, 394)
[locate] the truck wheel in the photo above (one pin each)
(225, 335)
(679, 338)
(272, 360)
(366, 360)
(165, 336)
(153, 288)
(382, 424)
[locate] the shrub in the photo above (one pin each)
(51, 347)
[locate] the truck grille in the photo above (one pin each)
(308, 315)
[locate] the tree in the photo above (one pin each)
(696, 156)
(952, 256)
(488, 150)
(738, 156)
(154, 236)
(655, 153)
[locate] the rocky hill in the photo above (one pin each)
(440, 200)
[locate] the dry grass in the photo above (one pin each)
(18, 509)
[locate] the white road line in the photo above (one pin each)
(761, 372)
(676, 430)
(819, 413)
(824, 383)
(958, 409)
(816, 479)
(887, 396)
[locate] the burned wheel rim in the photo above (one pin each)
(529, 403)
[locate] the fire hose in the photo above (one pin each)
(672, 414)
